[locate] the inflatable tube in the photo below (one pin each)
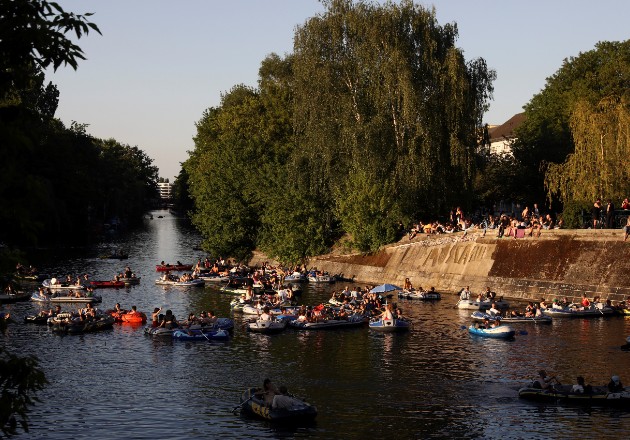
(135, 318)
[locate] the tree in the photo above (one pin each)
(597, 167)
(224, 174)
(545, 136)
(237, 172)
(33, 34)
(182, 200)
(384, 88)
(499, 178)
(20, 378)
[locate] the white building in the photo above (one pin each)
(502, 136)
(165, 189)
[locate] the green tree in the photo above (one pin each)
(20, 379)
(182, 199)
(368, 210)
(33, 34)
(499, 178)
(237, 171)
(223, 173)
(386, 88)
(597, 166)
(545, 136)
(127, 180)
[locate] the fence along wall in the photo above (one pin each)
(558, 264)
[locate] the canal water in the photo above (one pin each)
(436, 381)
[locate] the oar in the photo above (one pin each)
(244, 402)
(204, 335)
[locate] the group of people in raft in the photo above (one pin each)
(87, 314)
(546, 382)
(349, 302)
(81, 281)
(167, 320)
(276, 397)
(535, 309)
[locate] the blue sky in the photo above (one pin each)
(159, 64)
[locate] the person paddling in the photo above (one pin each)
(155, 316)
(544, 381)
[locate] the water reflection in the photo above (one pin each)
(434, 381)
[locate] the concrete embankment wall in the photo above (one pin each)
(557, 264)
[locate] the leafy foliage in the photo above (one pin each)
(602, 143)
(573, 213)
(20, 378)
(371, 122)
(500, 177)
(384, 88)
(56, 183)
(545, 136)
(33, 35)
(182, 202)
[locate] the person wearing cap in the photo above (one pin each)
(615, 385)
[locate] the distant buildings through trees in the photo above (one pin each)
(502, 136)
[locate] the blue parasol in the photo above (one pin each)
(385, 288)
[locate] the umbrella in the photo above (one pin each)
(385, 288)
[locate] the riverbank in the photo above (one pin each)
(558, 263)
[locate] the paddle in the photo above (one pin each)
(204, 335)
(244, 402)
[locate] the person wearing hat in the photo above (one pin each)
(615, 385)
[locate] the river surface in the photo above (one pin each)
(435, 381)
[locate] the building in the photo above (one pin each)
(502, 136)
(165, 189)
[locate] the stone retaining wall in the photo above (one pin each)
(557, 264)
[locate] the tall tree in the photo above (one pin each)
(237, 170)
(384, 88)
(32, 37)
(224, 173)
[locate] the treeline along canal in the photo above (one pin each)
(434, 381)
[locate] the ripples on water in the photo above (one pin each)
(436, 381)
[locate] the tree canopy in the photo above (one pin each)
(33, 35)
(599, 75)
(371, 122)
(57, 183)
(596, 169)
(386, 110)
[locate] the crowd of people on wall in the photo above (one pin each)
(531, 220)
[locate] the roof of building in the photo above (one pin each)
(506, 130)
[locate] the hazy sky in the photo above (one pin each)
(159, 64)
